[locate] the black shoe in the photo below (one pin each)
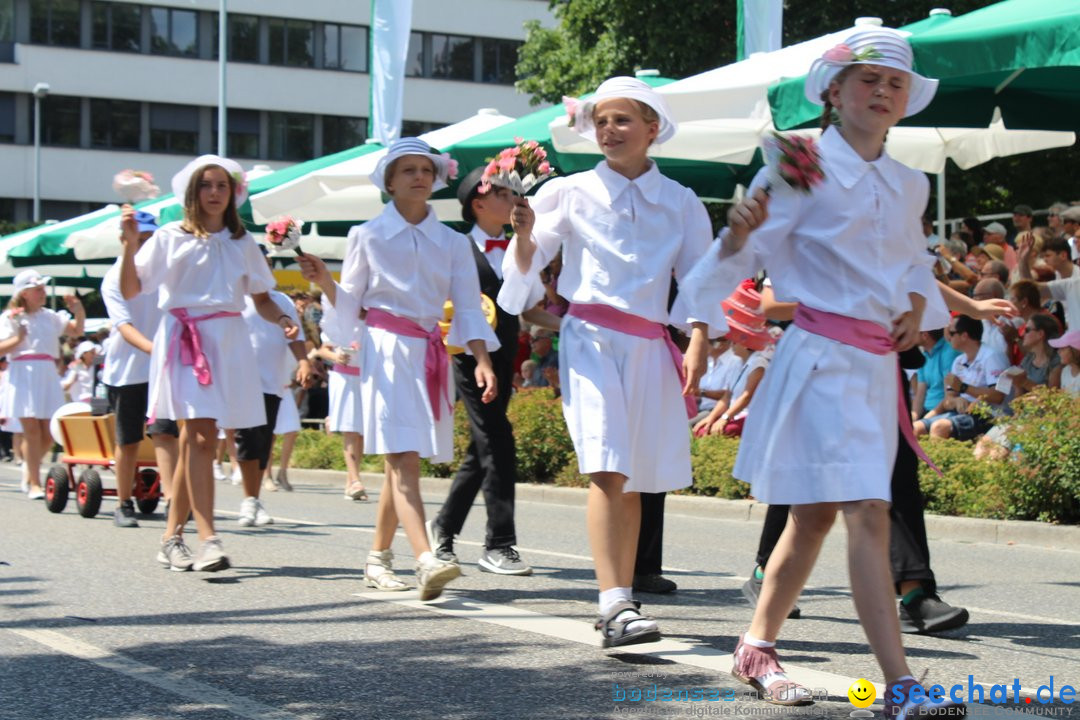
(751, 590)
(442, 545)
(654, 583)
(124, 515)
(931, 614)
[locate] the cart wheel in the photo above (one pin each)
(88, 493)
(56, 489)
(147, 499)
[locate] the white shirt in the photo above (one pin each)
(993, 337)
(203, 275)
(982, 371)
(43, 330)
(620, 238)
(124, 363)
(1070, 381)
(755, 361)
(410, 271)
(272, 353)
(495, 255)
(719, 376)
(1067, 292)
(853, 246)
(82, 389)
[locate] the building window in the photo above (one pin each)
(345, 47)
(292, 42)
(117, 26)
(416, 128)
(174, 128)
(453, 57)
(243, 133)
(61, 118)
(243, 38)
(7, 117)
(499, 58)
(54, 22)
(414, 61)
(7, 21)
(342, 133)
(174, 32)
(115, 124)
(292, 136)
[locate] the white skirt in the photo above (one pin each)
(234, 396)
(345, 404)
(624, 407)
(33, 390)
(822, 425)
(397, 416)
(288, 415)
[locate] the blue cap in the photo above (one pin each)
(146, 222)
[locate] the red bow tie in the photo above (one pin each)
(492, 243)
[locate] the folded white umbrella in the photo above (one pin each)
(344, 192)
(102, 241)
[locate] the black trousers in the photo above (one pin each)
(490, 463)
(909, 552)
(650, 545)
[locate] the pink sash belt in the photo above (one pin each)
(872, 338)
(346, 369)
(619, 321)
(186, 339)
(35, 356)
(436, 364)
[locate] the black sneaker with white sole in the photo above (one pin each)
(751, 590)
(930, 614)
(124, 515)
(503, 561)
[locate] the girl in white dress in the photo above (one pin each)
(78, 383)
(200, 367)
(344, 391)
(623, 229)
(400, 268)
(822, 431)
(30, 337)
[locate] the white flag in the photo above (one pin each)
(391, 22)
(760, 26)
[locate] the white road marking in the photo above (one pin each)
(193, 690)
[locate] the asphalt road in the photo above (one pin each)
(92, 627)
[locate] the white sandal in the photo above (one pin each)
(614, 629)
(379, 572)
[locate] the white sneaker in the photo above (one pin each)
(236, 478)
(248, 510)
(261, 516)
(219, 472)
(211, 557)
(433, 574)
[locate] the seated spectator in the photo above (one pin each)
(528, 371)
(1057, 255)
(929, 382)
(994, 236)
(1070, 220)
(1053, 219)
(544, 354)
(932, 240)
(973, 378)
(995, 270)
(553, 302)
(1023, 219)
(1041, 364)
(1068, 347)
(1066, 290)
(714, 384)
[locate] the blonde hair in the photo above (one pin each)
(193, 220)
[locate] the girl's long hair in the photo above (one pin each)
(193, 220)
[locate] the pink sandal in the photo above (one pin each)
(753, 662)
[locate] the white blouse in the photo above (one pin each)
(273, 356)
(410, 271)
(621, 240)
(124, 363)
(206, 274)
(43, 330)
(852, 246)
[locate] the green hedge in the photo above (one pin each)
(1040, 479)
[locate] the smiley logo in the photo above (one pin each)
(861, 693)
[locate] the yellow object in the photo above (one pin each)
(90, 438)
(862, 693)
(488, 307)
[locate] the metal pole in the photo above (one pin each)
(222, 110)
(37, 158)
(942, 233)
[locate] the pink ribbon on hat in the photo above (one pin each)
(436, 364)
(872, 338)
(619, 321)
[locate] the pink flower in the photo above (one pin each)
(839, 54)
(485, 188)
(544, 168)
(532, 145)
(571, 105)
(507, 163)
(492, 168)
(451, 167)
(518, 139)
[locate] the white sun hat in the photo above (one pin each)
(624, 87)
(180, 180)
(445, 166)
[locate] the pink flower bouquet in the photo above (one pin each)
(793, 161)
(135, 185)
(519, 168)
(284, 234)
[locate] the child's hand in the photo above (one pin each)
(129, 229)
(314, 269)
(291, 329)
(1025, 242)
(304, 374)
(73, 302)
(992, 308)
(745, 217)
(695, 362)
(485, 378)
(906, 331)
(522, 218)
